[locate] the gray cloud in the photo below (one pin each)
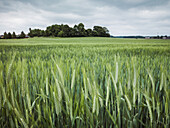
(127, 4)
(121, 17)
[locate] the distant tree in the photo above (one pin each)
(9, 35)
(66, 30)
(72, 32)
(30, 33)
(53, 30)
(75, 30)
(89, 32)
(81, 29)
(46, 33)
(5, 35)
(22, 35)
(60, 34)
(49, 31)
(56, 29)
(106, 32)
(95, 33)
(42, 33)
(35, 32)
(100, 31)
(13, 35)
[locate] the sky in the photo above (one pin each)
(121, 17)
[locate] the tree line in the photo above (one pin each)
(13, 35)
(67, 31)
(62, 31)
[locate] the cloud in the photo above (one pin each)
(127, 4)
(123, 17)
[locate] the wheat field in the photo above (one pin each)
(84, 82)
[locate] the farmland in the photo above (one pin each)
(84, 82)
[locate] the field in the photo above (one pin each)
(84, 82)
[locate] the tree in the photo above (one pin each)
(57, 29)
(106, 32)
(66, 30)
(9, 35)
(49, 31)
(13, 35)
(89, 32)
(30, 33)
(72, 32)
(22, 35)
(53, 30)
(46, 33)
(81, 29)
(5, 35)
(95, 33)
(42, 33)
(75, 30)
(35, 32)
(60, 34)
(100, 31)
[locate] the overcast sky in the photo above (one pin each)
(121, 17)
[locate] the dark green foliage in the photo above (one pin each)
(9, 35)
(22, 35)
(30, 33)
(60, 34)
(53, 30)
(35, 32)
(81, 30)
(67, 31)
(101, 31)
(5, 35)
(13, 35)
(89, 32)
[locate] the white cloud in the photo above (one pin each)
(121, 18)
(26, 15)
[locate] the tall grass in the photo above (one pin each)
(68, 86)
